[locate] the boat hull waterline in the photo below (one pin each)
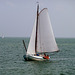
(34, 58)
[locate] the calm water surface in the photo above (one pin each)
(12, 62)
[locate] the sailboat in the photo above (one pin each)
(42, 39)
(2, 36)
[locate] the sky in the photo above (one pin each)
(17, 17)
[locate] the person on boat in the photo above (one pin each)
(46, 57)
(44, 54)
(37, 54)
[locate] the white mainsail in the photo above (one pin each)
(45, 37)
(46, 40)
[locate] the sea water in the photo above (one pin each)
(12, 62)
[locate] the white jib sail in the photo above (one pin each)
(46, 40)
(31, 46)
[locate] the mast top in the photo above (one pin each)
(37, 6)
(37, 2)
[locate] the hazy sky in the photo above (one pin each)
(17, 17)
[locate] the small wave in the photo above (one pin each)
(63, 59)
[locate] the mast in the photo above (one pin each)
(36, 28)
